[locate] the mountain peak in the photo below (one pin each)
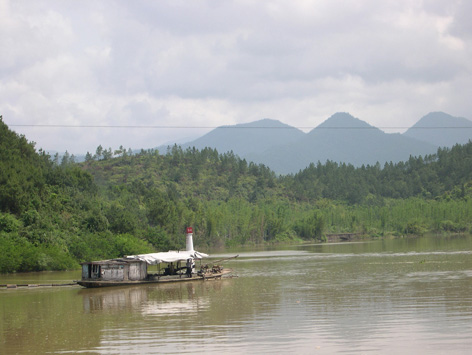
(249, 138)
(441, 129)
(441, 119)
(343, 120)
(265, 122)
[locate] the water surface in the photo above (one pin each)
(392, 296)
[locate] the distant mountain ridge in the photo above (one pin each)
(341, 138)
(246, 138)
(441, 129)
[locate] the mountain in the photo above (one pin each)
(441, 129)
(342, 138)
(244, 139)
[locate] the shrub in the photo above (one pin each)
(415, 228)
(9, 223)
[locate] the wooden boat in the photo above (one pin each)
(133, 270)
(153, 279)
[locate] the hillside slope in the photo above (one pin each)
(243, 139)
(441, 129)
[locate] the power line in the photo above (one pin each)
(223, 127)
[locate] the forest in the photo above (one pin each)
(56, 213)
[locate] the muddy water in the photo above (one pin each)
(394, 297)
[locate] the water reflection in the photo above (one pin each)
(113, 299)
(150, 300)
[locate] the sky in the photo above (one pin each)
(141, 73)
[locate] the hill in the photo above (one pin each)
(53, 216)
(441, 129)
(244, 139)
(343, 138)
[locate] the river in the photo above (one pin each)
(389, 296)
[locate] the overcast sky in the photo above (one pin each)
(222, 62)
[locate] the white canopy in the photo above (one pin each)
(168, 257)
(171, 256)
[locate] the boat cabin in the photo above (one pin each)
(114, 270)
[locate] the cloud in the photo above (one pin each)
(207, 63)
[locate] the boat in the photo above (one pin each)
(133, 269)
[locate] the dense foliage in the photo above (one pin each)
(54, 214)
(429, 177)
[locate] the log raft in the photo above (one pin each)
(36, 285)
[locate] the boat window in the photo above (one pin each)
(96, 271)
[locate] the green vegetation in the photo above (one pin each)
(54, 214)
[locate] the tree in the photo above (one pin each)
(88, 157)
(107, 154)
(98, 152)
(65, 159)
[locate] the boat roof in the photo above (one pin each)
(110, 262)
(167, 257)
(152, 258)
